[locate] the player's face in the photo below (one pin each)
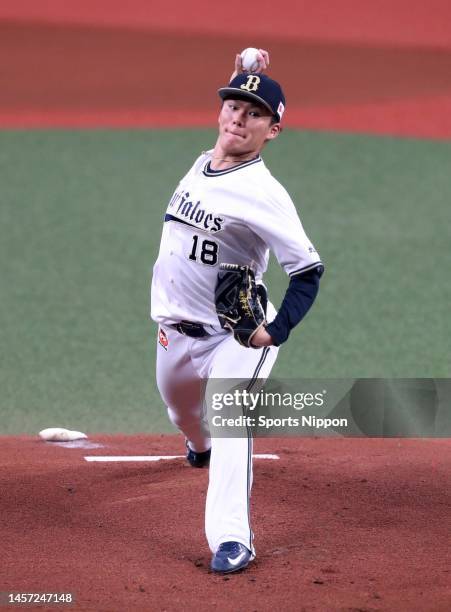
(245, 127)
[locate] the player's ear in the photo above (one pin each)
(273, 131)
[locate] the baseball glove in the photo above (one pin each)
(240, 303)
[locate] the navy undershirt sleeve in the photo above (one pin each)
(299, 297)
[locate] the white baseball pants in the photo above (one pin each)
(182, 366)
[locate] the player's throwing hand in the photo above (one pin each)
(263, 63)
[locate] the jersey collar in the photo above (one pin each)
(207, 171)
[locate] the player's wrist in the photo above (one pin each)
(261, 338)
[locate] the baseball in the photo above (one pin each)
(249, 59)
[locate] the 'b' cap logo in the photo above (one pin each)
(252, 84)
(258, 87)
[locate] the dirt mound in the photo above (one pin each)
(340, 525)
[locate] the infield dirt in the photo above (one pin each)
(340, 525)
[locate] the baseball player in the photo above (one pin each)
(228, 209)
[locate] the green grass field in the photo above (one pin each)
(80, 221)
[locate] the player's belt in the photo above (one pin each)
(193, 330)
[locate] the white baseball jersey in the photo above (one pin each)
(229, 216)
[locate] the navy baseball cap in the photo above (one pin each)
(258, 87)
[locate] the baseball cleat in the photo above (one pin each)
(198, 460)
(231, 557)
